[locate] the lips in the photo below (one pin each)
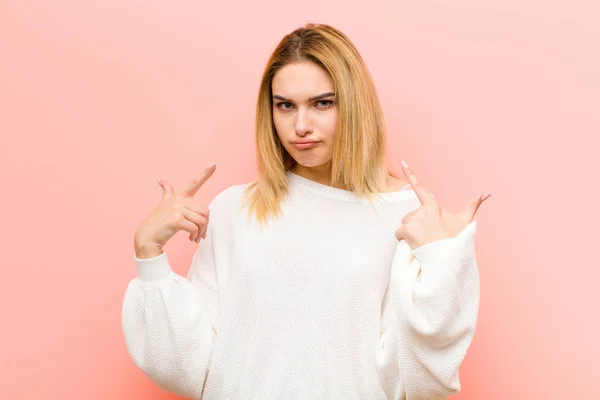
(305, 144)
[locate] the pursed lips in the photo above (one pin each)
(305, 144)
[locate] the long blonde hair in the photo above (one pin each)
(358, 163)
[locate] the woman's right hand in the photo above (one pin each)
(175, 212)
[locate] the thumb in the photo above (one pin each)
(167, 189)
(401, 233)
(469, 213)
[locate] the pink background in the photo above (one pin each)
(99, 99)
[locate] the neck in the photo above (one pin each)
(320, 174)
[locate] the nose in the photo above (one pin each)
(303, 124)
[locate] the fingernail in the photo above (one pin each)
(159, 182)
(485, 196)
(212, 164)
(404, 164)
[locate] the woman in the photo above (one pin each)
(327, 278)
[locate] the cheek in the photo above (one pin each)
(329, 125)
(279, 124)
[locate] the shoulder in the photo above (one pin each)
(395, 184)
(228, 198)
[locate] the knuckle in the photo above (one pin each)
(176, 216)
(190, 205)
(175, 200)
(184, 201)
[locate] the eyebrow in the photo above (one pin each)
(318, 97)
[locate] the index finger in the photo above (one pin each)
(199, 180)
(423, 195)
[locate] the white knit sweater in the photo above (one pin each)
(324, 303)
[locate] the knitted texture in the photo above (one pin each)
(323, 303)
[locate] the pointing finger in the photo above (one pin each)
(424, 196)
(192, 188)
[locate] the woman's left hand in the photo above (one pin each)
(430, 222)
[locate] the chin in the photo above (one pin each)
(310, 165)
(309, 158)
(311, 162)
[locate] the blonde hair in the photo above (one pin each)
(358, 163)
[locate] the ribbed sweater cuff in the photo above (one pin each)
(446, 253)
(153, 269)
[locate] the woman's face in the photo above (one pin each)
(304, 113)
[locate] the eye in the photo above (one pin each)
(284, 105)
(324, 103)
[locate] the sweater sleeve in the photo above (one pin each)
(169, 322)
(434, 291)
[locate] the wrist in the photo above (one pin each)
(146, 249)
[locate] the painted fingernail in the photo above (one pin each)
(404, 164)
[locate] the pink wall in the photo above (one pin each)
(99, 99)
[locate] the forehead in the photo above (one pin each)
(299, 81)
